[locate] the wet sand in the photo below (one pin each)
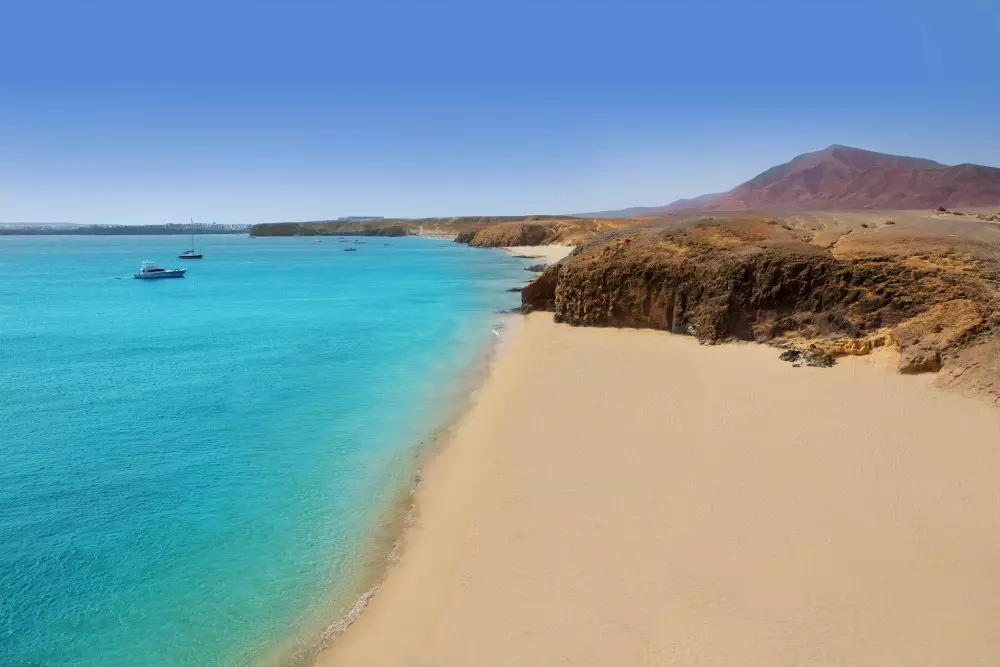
(622, 497)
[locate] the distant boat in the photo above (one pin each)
(342, 241)
(317, 240)
(350, 249)
(190, 254)
(150, 271)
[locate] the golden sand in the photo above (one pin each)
(622, 497)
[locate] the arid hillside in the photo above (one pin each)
(846, 178)
(827, 284)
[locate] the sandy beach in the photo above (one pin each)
(625, 497)
(546, 254)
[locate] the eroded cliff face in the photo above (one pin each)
(570, 231)
(755, 278)
(506, 234)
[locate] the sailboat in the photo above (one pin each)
(190, 254)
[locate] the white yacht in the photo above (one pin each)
(150, 271)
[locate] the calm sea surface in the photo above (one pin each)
(192, 471)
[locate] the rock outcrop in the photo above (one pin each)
(506, 234)
(540, 293)
(757, 278)
(537, 231)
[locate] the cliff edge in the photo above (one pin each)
(832, 284)
(568, 231)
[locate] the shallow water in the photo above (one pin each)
(191, 470)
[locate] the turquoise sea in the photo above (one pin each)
(199, 471)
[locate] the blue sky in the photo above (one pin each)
(137, 112)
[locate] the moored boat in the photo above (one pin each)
(150, 271)
(190, 254)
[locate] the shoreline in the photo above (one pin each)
(490, 563)
(381, 545)
(394, 519)
(399, 515)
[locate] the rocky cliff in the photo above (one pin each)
(506, 234)
(836, 285)
(537, 231)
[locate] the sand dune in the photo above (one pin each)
(623, 497)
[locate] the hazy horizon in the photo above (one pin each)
(312, 111)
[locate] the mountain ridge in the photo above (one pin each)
(842, 177)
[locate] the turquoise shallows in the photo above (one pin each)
(192, 471)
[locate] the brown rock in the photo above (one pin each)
(926, 291)
(915, 360)
(540, 294)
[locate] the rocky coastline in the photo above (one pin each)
(541, 228)
(823, 286)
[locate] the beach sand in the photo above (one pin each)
(623, 497)
(546, 254)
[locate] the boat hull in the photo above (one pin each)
(188, 256)
(159, 275)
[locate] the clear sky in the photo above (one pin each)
(139, 111)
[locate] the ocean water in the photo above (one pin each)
(194, 471)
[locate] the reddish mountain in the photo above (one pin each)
(841, 177)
